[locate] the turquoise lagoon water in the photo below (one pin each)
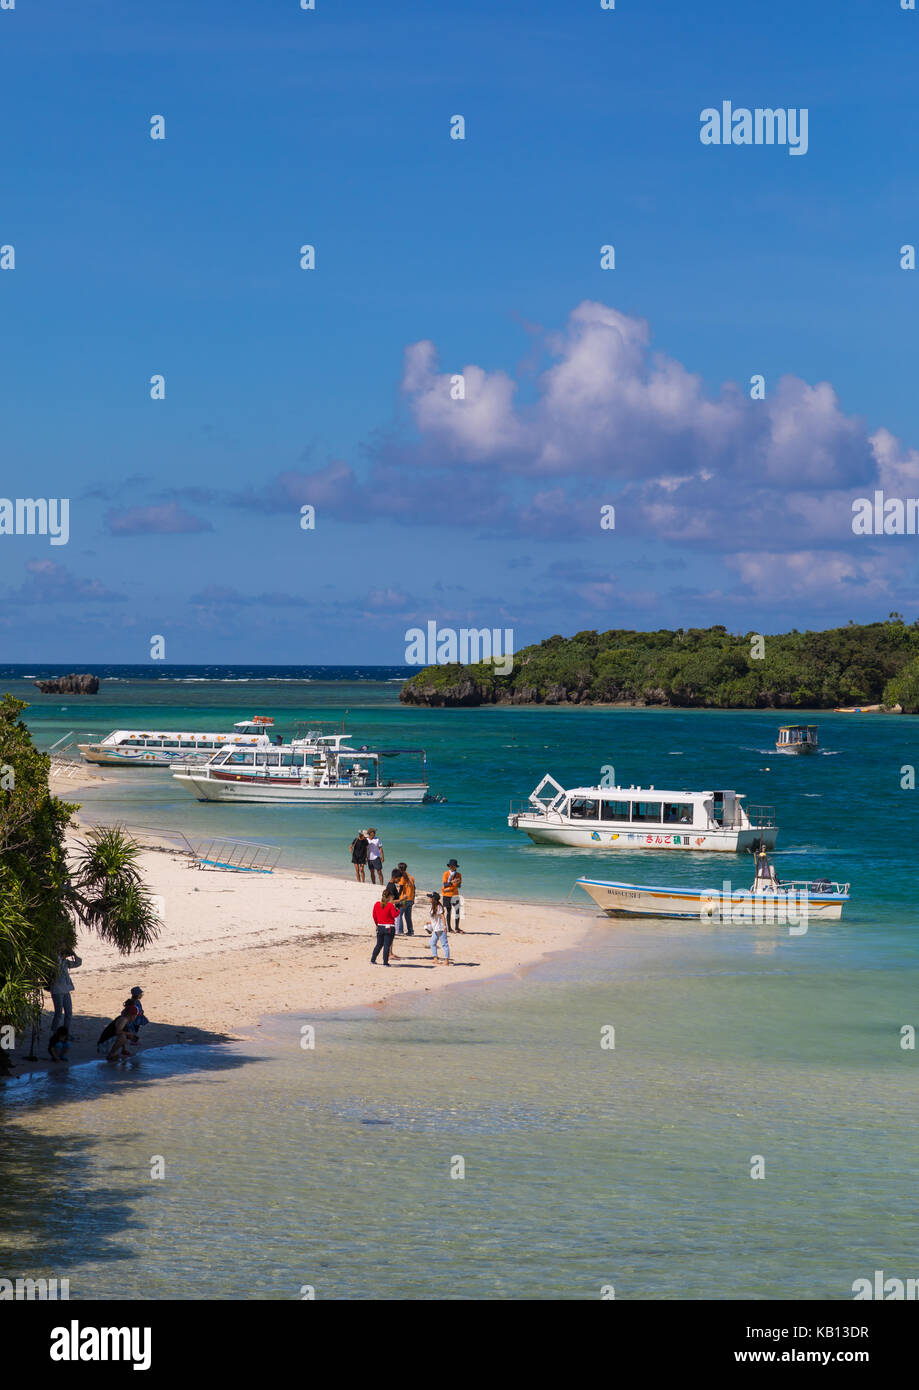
(584, 1166)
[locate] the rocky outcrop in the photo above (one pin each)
(463, 692)
(69, 685)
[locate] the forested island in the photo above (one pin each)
(709, 668)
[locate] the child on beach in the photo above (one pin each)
(59, 1045)
(137, 995)
(437, 924)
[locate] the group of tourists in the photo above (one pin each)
(392, 915)
(123, 1032)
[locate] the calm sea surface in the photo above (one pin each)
(584, 1165)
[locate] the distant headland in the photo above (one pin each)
(705, 668)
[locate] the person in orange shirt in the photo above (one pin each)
(452, 883)
(407, 900)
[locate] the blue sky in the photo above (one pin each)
(584, 386)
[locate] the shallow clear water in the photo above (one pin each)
(584, 1166)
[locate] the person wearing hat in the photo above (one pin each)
(374, 855)
(437, 925)
(452, 883)
(359, 855)
(407, 900)
(137, 995)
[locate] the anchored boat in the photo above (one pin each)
(313, 771)
(159, 748)
(768, 900)
(607, 818)
(797, 738)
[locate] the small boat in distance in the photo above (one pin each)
(797, 738)
(857, 709)
(769, 900)
(607, 818)
(162, 748)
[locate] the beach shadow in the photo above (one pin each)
(57, 1213)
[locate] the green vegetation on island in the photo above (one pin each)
(873, 663)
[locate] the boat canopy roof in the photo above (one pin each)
(644, 794)
(797, 726)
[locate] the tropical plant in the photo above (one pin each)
(42, 899)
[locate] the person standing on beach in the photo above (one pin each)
(61, 988)
(437, 924)
(359, 855)
(375, 855)
(452, 883)
(385, 913)
(407, 901)
(137, 995)
(394, 889)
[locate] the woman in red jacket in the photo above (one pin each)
(385, 913)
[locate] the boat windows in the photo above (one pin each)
(646, 811)
(239, 759)
(583, 808)
(678, 813)
(131, 743)
(154, 743)
(614, 810)
(170, 743)
(267, 759)
(187, 743)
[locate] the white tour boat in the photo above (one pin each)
(769, 900)
(313, 771)
(163, 748)
(797, 738)
(608, 818)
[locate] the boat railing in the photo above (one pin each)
(820, 887)
(761, 817)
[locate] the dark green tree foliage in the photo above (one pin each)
(706, 667)
(43, 899)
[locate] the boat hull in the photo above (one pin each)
(602, 837)
(112, 757)
(293, 794)
(642, 900)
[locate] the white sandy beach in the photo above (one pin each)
(234, 947)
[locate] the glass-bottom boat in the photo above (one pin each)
(614, 818)
(163, 748)
(303, 773)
